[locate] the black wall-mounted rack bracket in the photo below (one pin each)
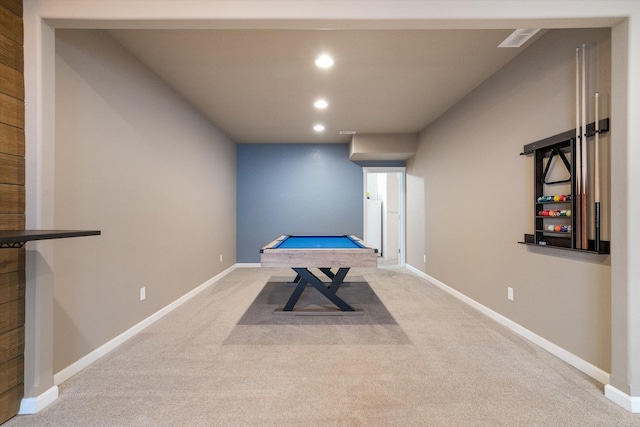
(564, 137)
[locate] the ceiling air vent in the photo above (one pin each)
(518, 37)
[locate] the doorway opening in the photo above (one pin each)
(384, 212)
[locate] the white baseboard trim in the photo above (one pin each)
(96, 354)
(570, 358)
(248, 264)
(630, 403)
(32, 405)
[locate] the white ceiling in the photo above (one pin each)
(258, 86)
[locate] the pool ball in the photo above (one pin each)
(568, 212)
(551, 227)
(540, 213)
(557, 228)
(563, 229)
(556, 198)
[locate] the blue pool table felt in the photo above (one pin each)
(320, 242)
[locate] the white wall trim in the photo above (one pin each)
(96, 354)
(630, 403)
(31, 405)
(570, 358)
(248, 265)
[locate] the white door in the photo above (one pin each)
(393, 238)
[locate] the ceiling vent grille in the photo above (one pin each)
(518, 37)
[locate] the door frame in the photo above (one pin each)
(401, 203)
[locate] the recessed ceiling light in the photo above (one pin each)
(324, 61)
(347, 132)
(321, 104)
(318, 128)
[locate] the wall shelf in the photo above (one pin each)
(18, 238)
(604, 245)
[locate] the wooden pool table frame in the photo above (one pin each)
(324, 259)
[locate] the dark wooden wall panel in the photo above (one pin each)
(11, 82)
(11, 140)
(11, 53)
(12, 199)
(11, 260)
(12, 221)
(11, 373)
(11, 169)
(12, 286)
(14, 6)
(11, 344)
(11, 23)
(11, 111)
(12, 207)
(11, 315)
(10, 402)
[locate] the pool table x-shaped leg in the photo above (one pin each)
(305, 277)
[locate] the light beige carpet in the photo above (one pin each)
(415, 356)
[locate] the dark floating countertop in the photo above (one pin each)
(17, 238)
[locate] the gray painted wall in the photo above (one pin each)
(134, 160)
(478, 198)
(295, 189)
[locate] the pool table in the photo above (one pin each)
(301, 253)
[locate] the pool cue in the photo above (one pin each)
(577, 187)
(583, 163)
(596, 190)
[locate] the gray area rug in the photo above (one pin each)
(315, 320)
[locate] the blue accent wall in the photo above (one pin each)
(295, 189)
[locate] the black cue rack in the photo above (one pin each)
(559, 146)
(18, 238)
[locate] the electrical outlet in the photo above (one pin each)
(510, 293)
(220, 257)
(424, 258)
(143, 293)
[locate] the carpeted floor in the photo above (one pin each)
(412, 356)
